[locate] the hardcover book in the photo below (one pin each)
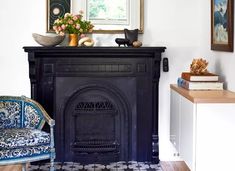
(199, 85)
(205, 77)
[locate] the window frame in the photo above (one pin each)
(136, 17)
(110, 21)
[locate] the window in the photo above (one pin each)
(113, 12)
(112, 16)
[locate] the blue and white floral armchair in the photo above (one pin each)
(21, 137)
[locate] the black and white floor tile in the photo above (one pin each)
(117, 166)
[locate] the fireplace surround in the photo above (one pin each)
(104, 100)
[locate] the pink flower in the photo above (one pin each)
(78, 16)
(75, 18)
(82, 35)
(78, 26)
(70, 21)
(63, 27)
(81, 12)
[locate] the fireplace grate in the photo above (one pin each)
(95, 106)
(95, 146)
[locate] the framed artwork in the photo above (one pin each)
(112, 16)
(55, 9)
(222, 25)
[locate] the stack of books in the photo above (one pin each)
(207, 81)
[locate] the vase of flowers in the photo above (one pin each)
(74, 25)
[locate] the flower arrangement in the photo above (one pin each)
(72, 24)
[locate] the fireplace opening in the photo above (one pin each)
(99, 123)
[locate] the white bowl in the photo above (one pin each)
(50, 40)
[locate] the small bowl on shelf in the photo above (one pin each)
(49, 40)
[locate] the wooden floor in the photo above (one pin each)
(166, 166)
(174, 166)
(11, 168)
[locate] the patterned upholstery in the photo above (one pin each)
(19, 153)
(33, 117)
(10, 114)
(21, 137)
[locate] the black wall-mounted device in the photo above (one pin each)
(165, 65)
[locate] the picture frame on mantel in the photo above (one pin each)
(222, 14)
(56, 9)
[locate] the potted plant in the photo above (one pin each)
(74, 25)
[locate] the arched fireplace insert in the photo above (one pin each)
(98, 120)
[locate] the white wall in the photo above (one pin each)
(18, 20)
(173, 24)
(183, 26)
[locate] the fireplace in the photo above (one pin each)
(104, 101)
(98, 115)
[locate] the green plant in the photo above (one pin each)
(72, 24)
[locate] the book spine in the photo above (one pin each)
(185, 76)
(208, 78)
(199, 85)
(182, 83)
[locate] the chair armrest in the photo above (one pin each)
(47, 117)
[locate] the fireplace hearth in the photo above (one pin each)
(104, 101)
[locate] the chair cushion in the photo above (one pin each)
(22, 137)
(26, 152)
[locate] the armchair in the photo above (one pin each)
(21, 137)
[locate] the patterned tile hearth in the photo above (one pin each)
(117, 166)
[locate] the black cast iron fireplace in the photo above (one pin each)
(97, 117)
(104, 100)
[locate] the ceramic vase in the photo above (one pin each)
(73, 39)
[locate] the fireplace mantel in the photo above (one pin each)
(128, 75)
(105, 50)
